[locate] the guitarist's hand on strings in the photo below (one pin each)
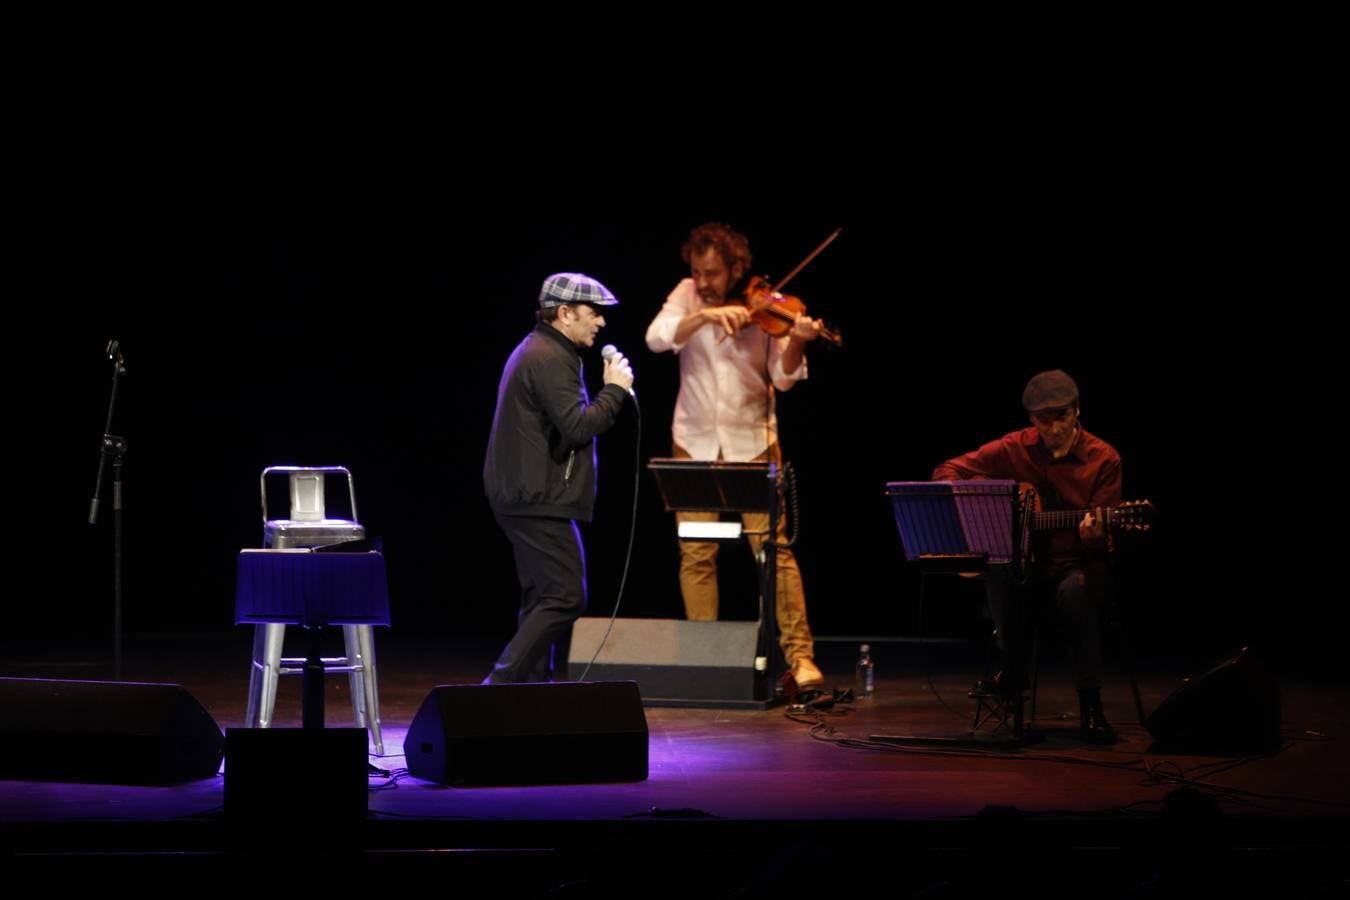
(1092, 530)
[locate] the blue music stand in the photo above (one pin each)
(964, 527)
(312, 588)
(956, 522)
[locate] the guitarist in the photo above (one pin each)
(1069, 469)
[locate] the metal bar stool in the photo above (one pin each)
(306, 527)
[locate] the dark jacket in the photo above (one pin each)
(541, 452)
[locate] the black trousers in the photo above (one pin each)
(551, 566)
(1080, 601)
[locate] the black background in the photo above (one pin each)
(317, 242)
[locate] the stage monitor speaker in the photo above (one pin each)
(1233, 709)
(674, 662)
(562, 733)
(278, 774)
(105, 732)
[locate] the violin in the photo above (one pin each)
(776, 312)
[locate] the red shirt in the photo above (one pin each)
(1085, 477)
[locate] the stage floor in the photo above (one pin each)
(774, 785)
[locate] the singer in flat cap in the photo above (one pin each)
(539, 473)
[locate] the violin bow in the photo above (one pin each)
(804, 263)
(801, 265)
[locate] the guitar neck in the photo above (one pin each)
(1057, 519)
(1132, 515)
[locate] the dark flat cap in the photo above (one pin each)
(1049, 390)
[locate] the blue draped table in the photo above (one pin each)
(313, 589)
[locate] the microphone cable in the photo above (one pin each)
(632, 531)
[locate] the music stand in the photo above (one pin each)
(692, 485)
(963, 527)
(955, 521)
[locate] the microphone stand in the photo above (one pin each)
(115, 447)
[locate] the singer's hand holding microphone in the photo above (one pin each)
(617, 369)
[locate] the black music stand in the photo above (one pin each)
(971, 528)
(691, 485)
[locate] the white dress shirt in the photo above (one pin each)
(725, 409)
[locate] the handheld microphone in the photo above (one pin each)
(607, 353)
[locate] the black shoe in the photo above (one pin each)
(815, 698)
(1094, 728)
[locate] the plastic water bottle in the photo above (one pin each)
(863, 674)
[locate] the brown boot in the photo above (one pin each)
(805, 673)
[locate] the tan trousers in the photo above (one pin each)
(698, 574)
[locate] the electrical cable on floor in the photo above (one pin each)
(823, 731)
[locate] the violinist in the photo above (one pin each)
(729, 367)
